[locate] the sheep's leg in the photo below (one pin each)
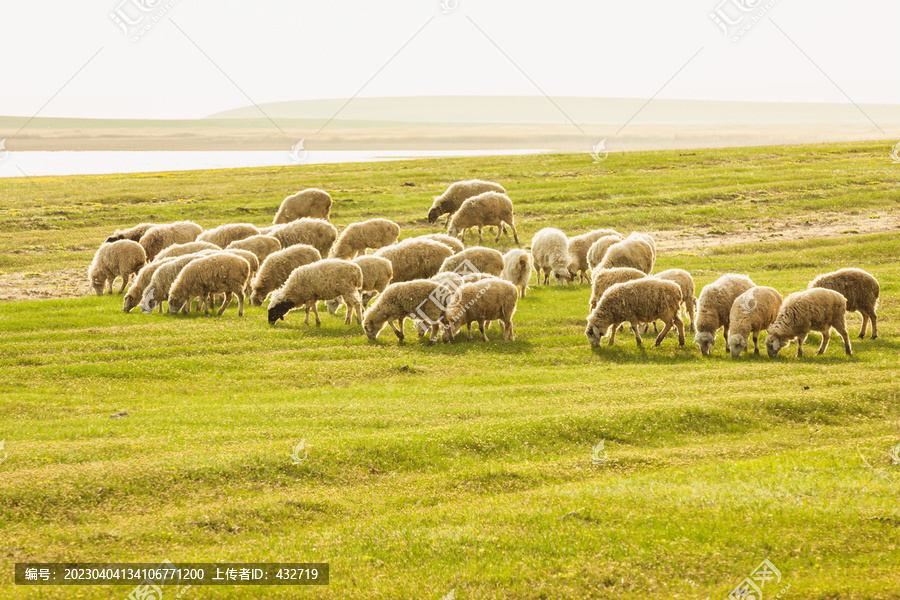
(397, 332)
(679, 326)
(691, 311)
(469, 331)
(522, 295)
(842, 331)
(826, 335)
(636, 329)
(434, 334)
(874, 325)
(862, 332)
(240, 297)
(315, 310)
(480, 235)
(725, 336)
(124, 283)
(109, 282)
(800, 339)
(160, 306)
(509, 331)
(612, 337)
(227, 301)
(665, 332)
(306, 320)
(515, 233)
(756, 342)
(484, 336)
(546, 271)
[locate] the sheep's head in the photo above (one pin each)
(256, 299)
(453, 231)
(706, 341)
(333, 305)
(130, 302)
(277, 310)
(595, 330)
(736, 344)
(433, 214)
(176, 303)
(114, 238)
(562, 276)
(371, 327)
(774, 344)
(98, 283)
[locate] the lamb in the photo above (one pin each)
(276, 269)
(136, 291)
(182, 249)
(421, 299)
(816, 309)
(861, 290)
(639, 301)
(313, 232)
(223, 235)
(157, 291)
(482, 302)
(753, 311)
(162, 236)
(415, 258)
(260, 245)
(454, 243)
(222, 272)
(517, 265)
(374, 233)
(578, 247)
(598, 249)
(115, 259)
(133, 233)
(490, 209)
(714, 308)
(377, 273)
(476, 259)
(450, 201)
(603, 279)
(310, 202)
(633, 252)
(686, 283)
(323, 280)
(550, 249)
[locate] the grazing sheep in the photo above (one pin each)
(415, 258)
(454, 243)
(260, 245)
(313, 232)
(312, 203)
(133, 233)
(220, 273)
(450, 201)
(550, 249)
(482, 302)
(714, 308)
(476, 259)
(223, 235)
(182, 249)
(603, 279)
(598, 249)
(816, 309)
(473, 277)
(631, 252)
(419, 299)
(157, 291)
(490, 209)
(639, 301)
(517, 265)
(136, 291)
(323, 280)
(753, 311)
(160, 237)
(646, 238)
(861, 290)
(578, 247)
(686, 283)
(276, 269)
(374, 233)
(115, 259)
(268, 230)
(377, 273)
(449, 280)
(251, 259)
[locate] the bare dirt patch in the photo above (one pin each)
(64, 283)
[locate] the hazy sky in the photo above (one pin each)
(201, 57)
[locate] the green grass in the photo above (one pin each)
(463, 466)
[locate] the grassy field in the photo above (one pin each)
(464, 466)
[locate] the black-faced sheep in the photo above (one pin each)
(312, 203)
(313, 232)
(320, 281)
(182, 249)
(377, 273)
(482, 302)
(714, 308)
(357, 237)
(633, 252)
(578, 248)
(415, 258)
(450, 201)
(419, 299)
(276, 269)
(817, 309)
(517, 265)
(598, 249)
(223, 235)
(220, 273)
(115, 259)
(490, 209)
(550, 249)
(753, 311)
(260, 245)
(640, 301)
(861, 290)
(133, 233)
(159, 237)
(476, 259)
(603, 279)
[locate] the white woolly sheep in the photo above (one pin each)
(861, 290)
(160, 237)
(260, 245)
(578, 247)
(753, 311)
(482, 302)
(251, 259)
(450, 201)
(157, 291)
(517, 265)
(357, 237)
(115, 259)
(476, 259)
(686, 283)
(182, 249)
(550, 249)
(313, 232)
(598, 249)
(132, 233)
(415, 258)
(323, 280)
(223, 235)
(220, 273)
(377, 273)
(490, 209)
(276, 269)
(136, 291)
(646, 238)
(419, 299)
(454, 243)
(639, 301)
(268, 230)
(449, 280)
(714, 308)
(631, 252)
(816, 309)
(603, 279)
(312, 203)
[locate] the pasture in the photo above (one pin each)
(463, 466)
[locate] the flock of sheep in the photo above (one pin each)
(438, 283)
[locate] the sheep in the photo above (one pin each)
(136, 291)
(415, 258)
(377, 273)
(639, 301)
(251, 259)
(268, 230)
(133, 233)
(157, 291)
(517, 265)
(753, 311)
(454, 243)
(473, 277)
(476, 259)
(578, 247)
(686, 282)
(485, 210)
(816, 309)
(482, 302)
(603, 279)
(260, 245)
(182, 249)
(323, 280)
(631, 252)
(646, 238)
(159, 237)
(276, 269)
(861, 290)
(550, 249)
(449, 280)
(421, 299)
(450, 201)
(223, 235)
(714, 308)
(598, 249)
(222, 272)
(115, 259)
(310, 202)
(313, 232)
(374, 233)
